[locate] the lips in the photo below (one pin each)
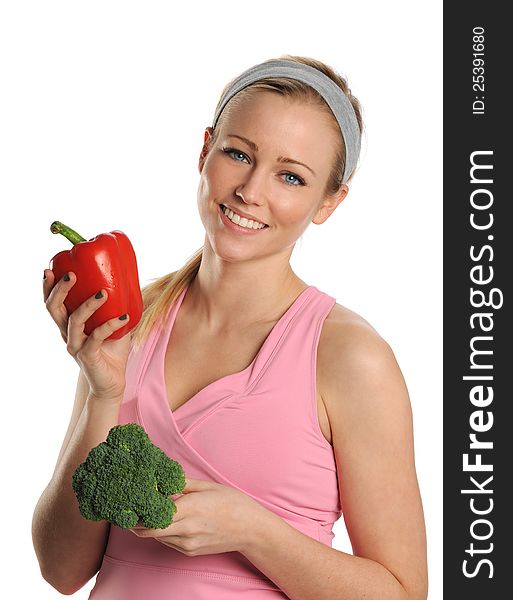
(243, 214)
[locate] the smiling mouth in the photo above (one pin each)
(237, 219)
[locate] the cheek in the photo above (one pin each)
(210, 183)
(206, 195)
(202, 200)
(203, 189)
(292, 213)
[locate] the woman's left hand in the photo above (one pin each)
(210, 518)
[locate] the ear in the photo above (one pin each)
(204, 151)
(329, 204)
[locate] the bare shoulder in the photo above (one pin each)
(357, 368)
(349, 342)
(370, 418)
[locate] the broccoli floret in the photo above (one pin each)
(126, 479)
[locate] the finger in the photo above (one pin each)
(56, 293)
(48, 283)
(175, 530)
(176, 546)
(197, 485)
(78, 318)
(102, 332)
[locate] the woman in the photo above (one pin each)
(285, 408)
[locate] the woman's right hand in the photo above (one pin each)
(102, 361)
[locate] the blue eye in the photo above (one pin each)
(298, 179)
(233, 151)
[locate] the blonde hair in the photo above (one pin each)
(161, 293)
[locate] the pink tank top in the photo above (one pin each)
(255, 430)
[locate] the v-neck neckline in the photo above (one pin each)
(166, 335)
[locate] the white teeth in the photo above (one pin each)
(242, 221)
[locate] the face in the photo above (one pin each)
(243, 171)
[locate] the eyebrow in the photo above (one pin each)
(282, 159)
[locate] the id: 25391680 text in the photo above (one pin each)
(478, 70)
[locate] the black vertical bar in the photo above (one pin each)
(478, 355)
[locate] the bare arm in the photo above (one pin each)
(370, 419)
(70, 548)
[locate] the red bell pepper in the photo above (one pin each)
(107, 262)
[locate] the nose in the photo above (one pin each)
(252, 190)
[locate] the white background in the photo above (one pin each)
(102, 113)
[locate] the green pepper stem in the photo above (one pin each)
(67, 232)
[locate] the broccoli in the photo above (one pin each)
(126, 479)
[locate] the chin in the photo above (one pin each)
(230, 253)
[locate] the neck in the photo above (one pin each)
(226, 295)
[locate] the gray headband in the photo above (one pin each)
(334, 97)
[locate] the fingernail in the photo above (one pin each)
(98, 295)
(66, 277)
(123, 317)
